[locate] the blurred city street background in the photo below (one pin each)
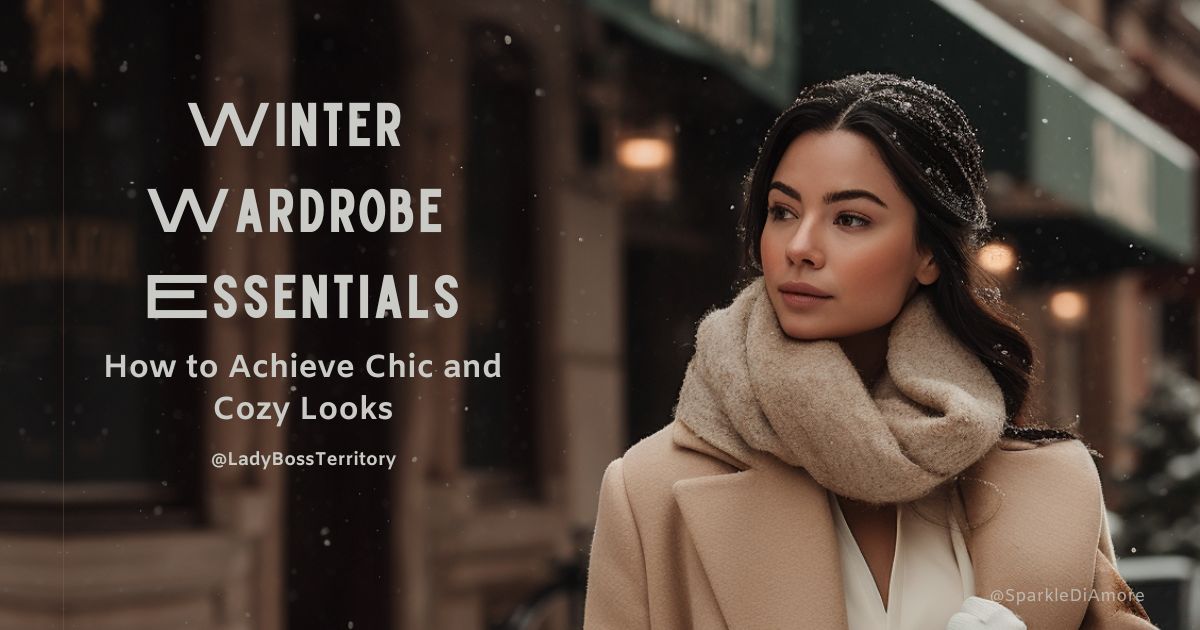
(590, 156)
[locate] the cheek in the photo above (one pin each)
(768, 251)
(882, 269)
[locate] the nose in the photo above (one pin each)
(804, 246)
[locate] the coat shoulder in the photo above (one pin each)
(1072, 451)
(1068, 463)
(653, 465)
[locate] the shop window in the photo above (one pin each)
(500, 416)
(83, 135)
(1179, 333)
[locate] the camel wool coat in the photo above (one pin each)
(688, 537)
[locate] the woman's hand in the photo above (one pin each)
(978, 613)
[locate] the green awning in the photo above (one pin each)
(1089, 147)
(754, 41)
(1128, 185)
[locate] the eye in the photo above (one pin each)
(778, 212)
(847, 215)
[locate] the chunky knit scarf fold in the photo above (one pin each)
(935, 410)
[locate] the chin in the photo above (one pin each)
(806, 331)
(798, 326)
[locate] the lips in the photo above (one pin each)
(803, 288)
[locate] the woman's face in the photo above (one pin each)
(838, 221)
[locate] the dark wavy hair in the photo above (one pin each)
(930, 147)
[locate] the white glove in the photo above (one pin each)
(978, 613)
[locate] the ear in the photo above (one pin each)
(927, 270)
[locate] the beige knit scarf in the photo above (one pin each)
(935, 411)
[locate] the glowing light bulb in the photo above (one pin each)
(644, 154)
(1068, 306)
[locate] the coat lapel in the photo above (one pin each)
(768, 549)
(766, 539)
(765, 536)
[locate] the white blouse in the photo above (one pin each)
(931, 575)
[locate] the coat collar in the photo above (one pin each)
(766, 537)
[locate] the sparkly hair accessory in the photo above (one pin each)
(922, 111)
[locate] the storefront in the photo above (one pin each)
(699, 85)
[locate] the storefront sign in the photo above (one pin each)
(1122, 177)
(753, 40)
(1095, 151)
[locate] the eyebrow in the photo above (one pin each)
(831, 197)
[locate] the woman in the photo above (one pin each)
(849, 448)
